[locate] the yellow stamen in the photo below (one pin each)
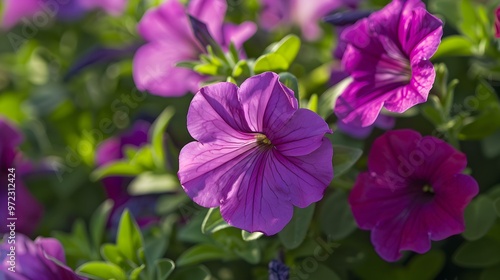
(262, 139)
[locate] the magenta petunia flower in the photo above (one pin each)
(256, 155)
(304, 13)
(30, 211)
(42, 259)
(388, 55)
(497, 22)
(112, 149)
(413, 192)
(170, 40)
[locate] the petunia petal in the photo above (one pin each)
(303, 178)
(267, 104)
(155, 69)
(237, 34)
(372, 201)
(394, 157)
(210, 12)
(254, 205)
(302, 135)
(445, 216)
(51, 247)
(216, 114)
(167, 22)
(208, 172)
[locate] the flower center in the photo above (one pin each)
(262, 140)
(427, 189)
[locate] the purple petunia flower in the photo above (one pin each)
(256, 155)
(30, 211)
(388, 55)
(413, 192)
(304, 13)
(112, 149)
(497, 22)
(170, 40)
(42, 259)
(29, 10)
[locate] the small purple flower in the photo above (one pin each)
(383, 122)
(388, 55)
(304, 13)
(170, 40)
(413, 192)
(497, 22)
(30, 214)
(112, 149)
(42, 259)
(17, 10)
(278, 270)
(257, 154)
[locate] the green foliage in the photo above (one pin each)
(295, 231)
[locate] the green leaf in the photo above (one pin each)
(241, 69)
(321, 272)
(136, 272)
(112, 254)
(117, 168)
(98, 222)
(288, 48)
(490, 273)
(101, 270)
(329, 97)
(247, 236)
(336, 218)
(129, 237)
(213, 221)
(144, 158)
(313, 103)
(157, 136)
(479, 218)
(497, 206)
(164, 267)
(270, 62)
(290, 81)
(207, 69)
(201, 253)
(344, 158)
(425, 267)
(483, 125)
(477, 254)
(454, 45)
(195, 273)
(151, 183)
(169, 203)
(295, 231)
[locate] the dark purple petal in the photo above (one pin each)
(268, 105)
(302, 135)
